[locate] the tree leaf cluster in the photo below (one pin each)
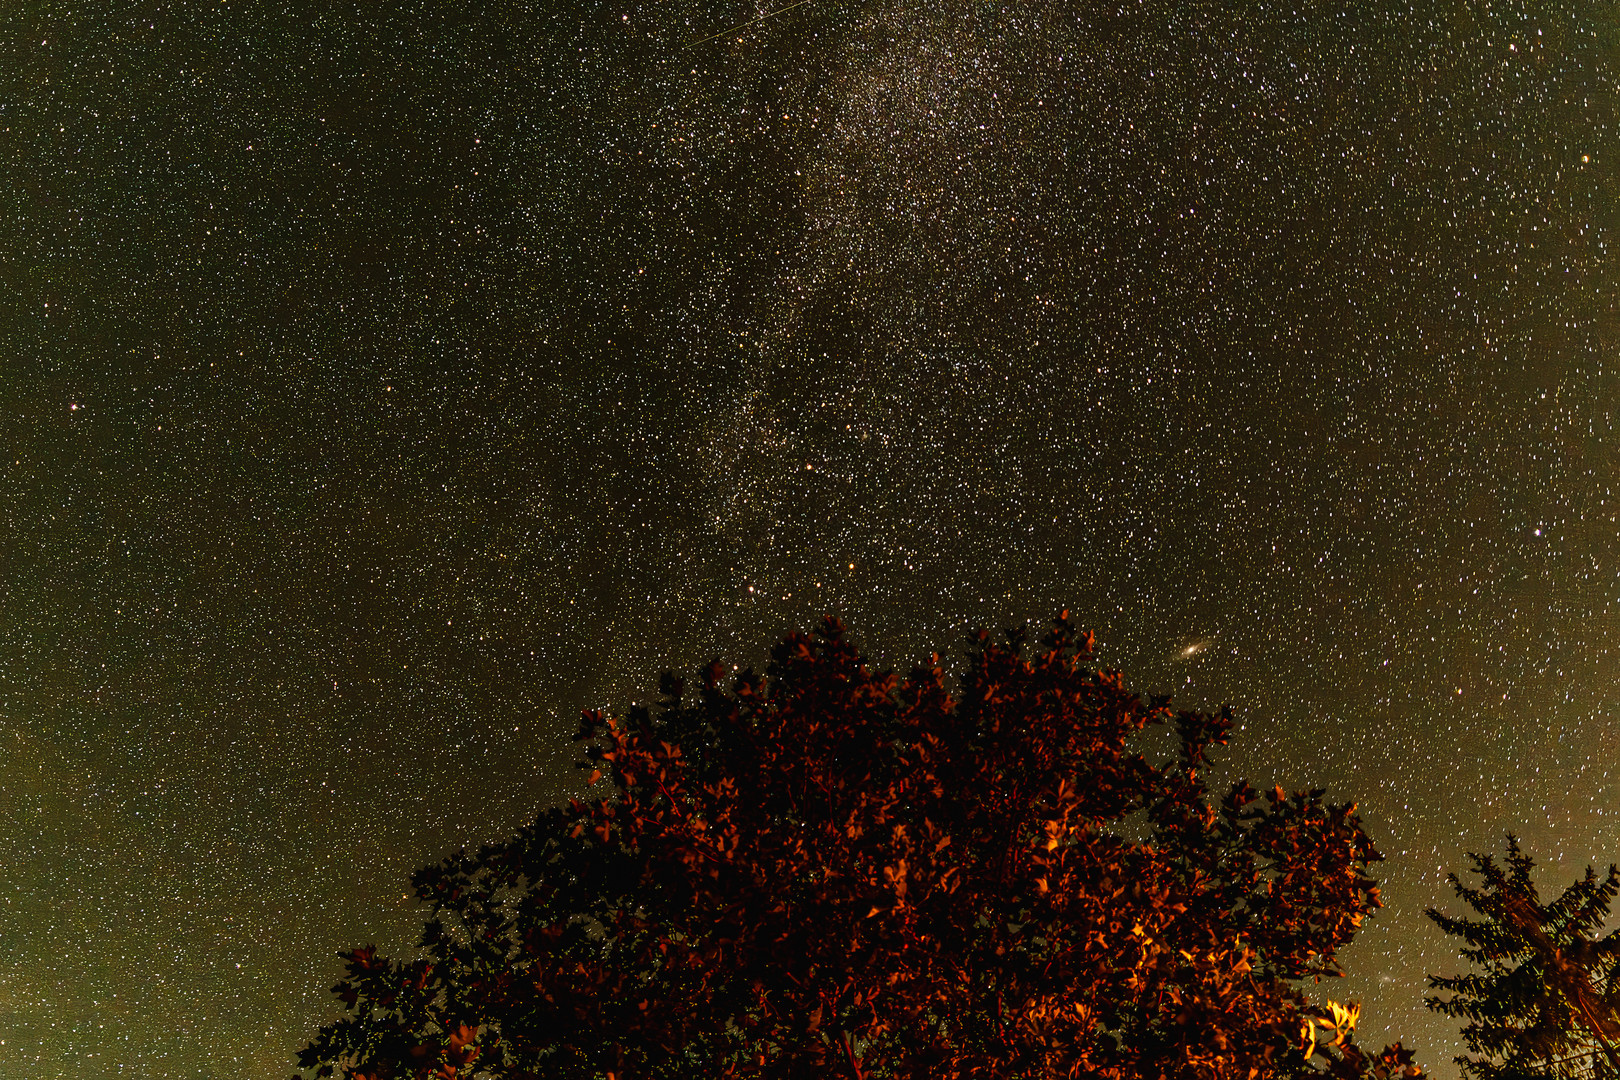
(829, 871)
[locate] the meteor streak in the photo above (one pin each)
(750, 22)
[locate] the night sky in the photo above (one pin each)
(382, 383)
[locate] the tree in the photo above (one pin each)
(1544, 1007)
(830, 872)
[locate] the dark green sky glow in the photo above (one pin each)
(383, 383)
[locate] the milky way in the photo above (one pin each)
(386, 383)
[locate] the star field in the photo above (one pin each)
(383, 384)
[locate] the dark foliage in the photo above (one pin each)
(830, 872)
(1544, 1004)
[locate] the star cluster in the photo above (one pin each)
(385, 383)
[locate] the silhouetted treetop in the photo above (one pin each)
(1544, 1003)
(826, 871)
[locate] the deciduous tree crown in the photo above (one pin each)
(834, 872)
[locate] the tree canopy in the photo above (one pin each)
(1544, 1003)
(827, 871)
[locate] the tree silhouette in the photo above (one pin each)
(1545, 1004)
(830, 872)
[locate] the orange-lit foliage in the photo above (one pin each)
(828, 872)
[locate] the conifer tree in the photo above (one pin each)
(1543, 1003)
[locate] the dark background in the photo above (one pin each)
(383, 383)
